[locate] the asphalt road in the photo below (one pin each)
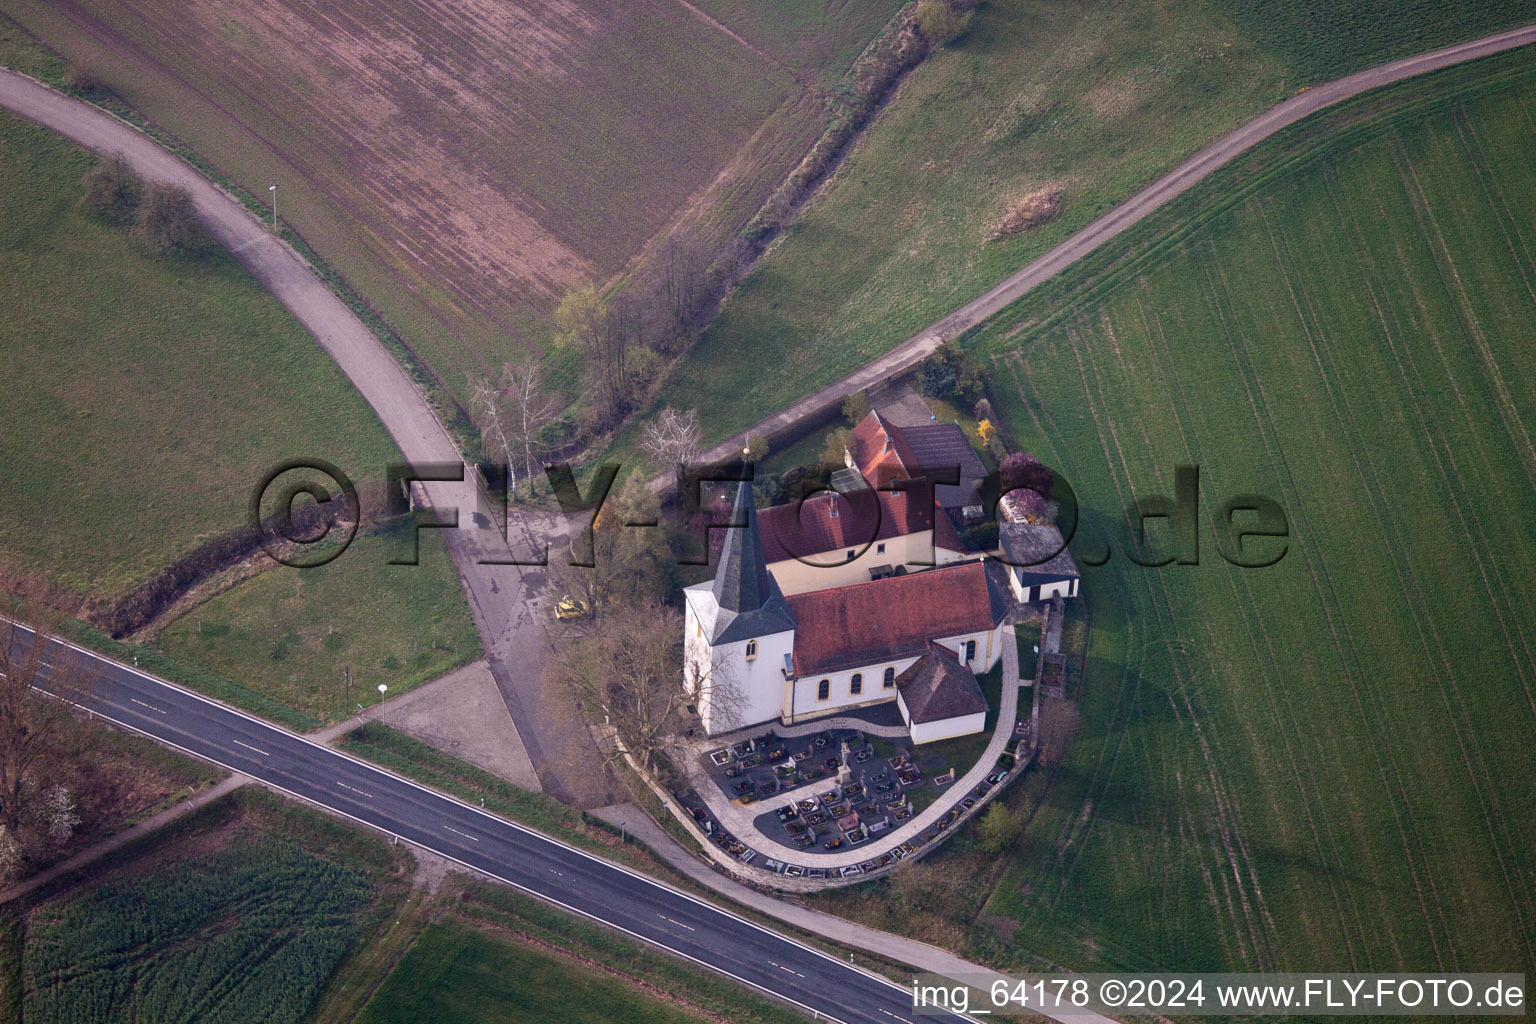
(563, 875)
(1198, 167)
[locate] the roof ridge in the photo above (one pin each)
(924, 571)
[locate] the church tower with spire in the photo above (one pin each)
(740, 633)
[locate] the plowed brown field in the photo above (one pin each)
(463, 162)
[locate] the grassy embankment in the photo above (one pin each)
(458, 971)
(290, 633)
(146, 396)
(1085, 100)
(1320, 765)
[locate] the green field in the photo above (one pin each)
(1088, 100)
(1323, 40)
(145, 395)
(241, 913)
(288, 633)
(461, 975)
(1324, 764)
(598, 967)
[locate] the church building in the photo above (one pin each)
(754, 655)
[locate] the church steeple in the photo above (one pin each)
(748, 597)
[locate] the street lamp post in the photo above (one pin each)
(383, 714)
(273, 190)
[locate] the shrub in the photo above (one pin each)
(112, 191)
(999, 827)
(938, 22)
(167, 218)
(83, 81)
(1022, 471)
(856, 407)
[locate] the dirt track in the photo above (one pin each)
(1128, 213)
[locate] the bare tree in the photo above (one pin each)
(630, 562)
(532, 408)
(486, 401)
(1058, 724)
(112, 191)
(31, 722)
(673, 437)
(510, 412)
(715, 691)
(628, 670)
(604, 333)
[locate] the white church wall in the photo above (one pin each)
(948, 728)
(804, 703)
(755, 685)
(988, 647)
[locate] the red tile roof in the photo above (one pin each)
(809, 529)
(881, 452)
(892, 618)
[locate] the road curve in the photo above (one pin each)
(572, 879)
(499, 594)
(1198, 167)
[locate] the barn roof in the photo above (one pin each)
(940, 447)
(1036, 550)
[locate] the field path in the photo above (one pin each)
(500, 596)
(1123, 216)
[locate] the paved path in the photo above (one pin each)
(501, 597)
(128, 835)
(1198, 167)
(739, 819)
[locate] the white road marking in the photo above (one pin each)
(258, 750)
(680, 924)
(343, 785)
(904, 1020)
(795, 973)
(455, 831)
(150, 706)
(247, 244)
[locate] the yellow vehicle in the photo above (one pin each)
(569, 608)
